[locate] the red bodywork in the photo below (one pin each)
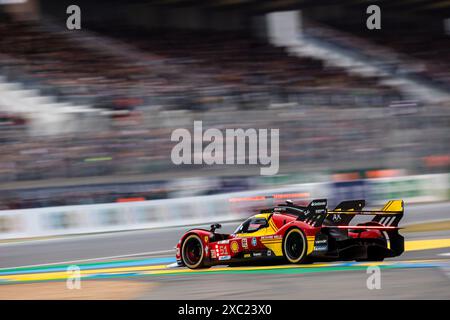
(223, 248)
(298, 234)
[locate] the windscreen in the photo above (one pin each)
(251, 225)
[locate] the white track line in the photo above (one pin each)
(93, 259)
(444, 254)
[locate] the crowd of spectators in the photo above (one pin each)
(319, 139)
(420, 52)
(432, 50)
(181, 69)
(329, 120)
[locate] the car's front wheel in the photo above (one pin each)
(192, 252)
(294, 246)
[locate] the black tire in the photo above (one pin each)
(295, 246)
(193, 252)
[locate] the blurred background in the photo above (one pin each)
(86, 115)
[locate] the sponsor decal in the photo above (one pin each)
(244, 243)
(257, 254)
(213, 254)
(269, 253)
(224, 242)
(234, 246)
(321, 245)
(206, 238)
(247, 255)
(271, 237)
(254, 242)
(224, 258)
(336, 218)
(318, 203)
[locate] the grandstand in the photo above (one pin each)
(97, 106)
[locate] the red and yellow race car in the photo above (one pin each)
(299, 234)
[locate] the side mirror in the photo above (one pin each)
(215, 226)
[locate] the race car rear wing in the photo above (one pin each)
(316, 213)
(389, 216)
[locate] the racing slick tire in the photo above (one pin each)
(193, 252)
(295, 246)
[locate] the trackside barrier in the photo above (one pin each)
(413, 189)
(83, 219)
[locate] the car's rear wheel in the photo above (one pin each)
(294, 246)
(192, 252)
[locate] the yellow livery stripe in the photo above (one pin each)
(386, 206)
(310, 240)
(275, 247)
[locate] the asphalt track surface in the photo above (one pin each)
(422, 272)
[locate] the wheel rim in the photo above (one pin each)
(192, 251)
(294, 245)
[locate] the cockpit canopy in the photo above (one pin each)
(252, 224)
